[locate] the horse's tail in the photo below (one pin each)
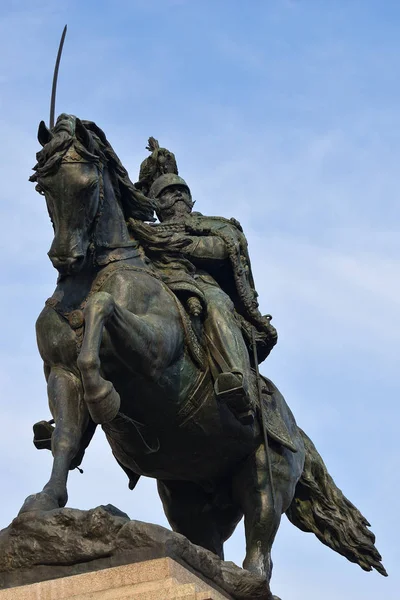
(321, 508)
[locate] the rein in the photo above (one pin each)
(76, 318)
(73, 157)
(111, 260)
(106, 254)
(108, 259)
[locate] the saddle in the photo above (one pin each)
(278, 415)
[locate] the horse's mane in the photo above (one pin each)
(134, 204)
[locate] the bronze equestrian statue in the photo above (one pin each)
(154, 332)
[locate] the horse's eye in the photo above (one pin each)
(91, 184)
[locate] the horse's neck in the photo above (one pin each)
(111, 229)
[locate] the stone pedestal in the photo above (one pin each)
(160, 579)
(101, 554)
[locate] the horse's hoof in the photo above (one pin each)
(40, 501)
(104, 408)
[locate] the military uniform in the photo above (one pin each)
(213, 266)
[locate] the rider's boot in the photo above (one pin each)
(231, 389)
(42, 432)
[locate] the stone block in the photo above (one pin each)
(160, 579)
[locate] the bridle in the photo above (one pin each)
(130, 249)
(73, 157)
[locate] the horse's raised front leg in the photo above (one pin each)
(101, 398)
(70, 437)
(144, 343)
(262, 516)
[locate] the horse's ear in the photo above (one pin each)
(44, 134)
(82, 134)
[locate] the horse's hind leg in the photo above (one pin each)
(262, 516)
(194, 513)
(73, 430)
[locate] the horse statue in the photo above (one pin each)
(120, 351)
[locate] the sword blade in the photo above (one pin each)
(55, 77)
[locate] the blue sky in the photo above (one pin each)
(284, 114)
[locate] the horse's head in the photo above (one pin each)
(70, 173)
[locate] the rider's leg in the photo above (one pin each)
(223, 328)
(262, 516)
(42, 434)
(69, 439)
(228, 350)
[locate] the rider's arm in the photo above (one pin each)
(207, 248)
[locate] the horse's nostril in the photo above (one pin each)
(66, 261)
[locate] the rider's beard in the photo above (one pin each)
(177, 209)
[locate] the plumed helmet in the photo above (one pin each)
(160, 162)
(165, 181)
